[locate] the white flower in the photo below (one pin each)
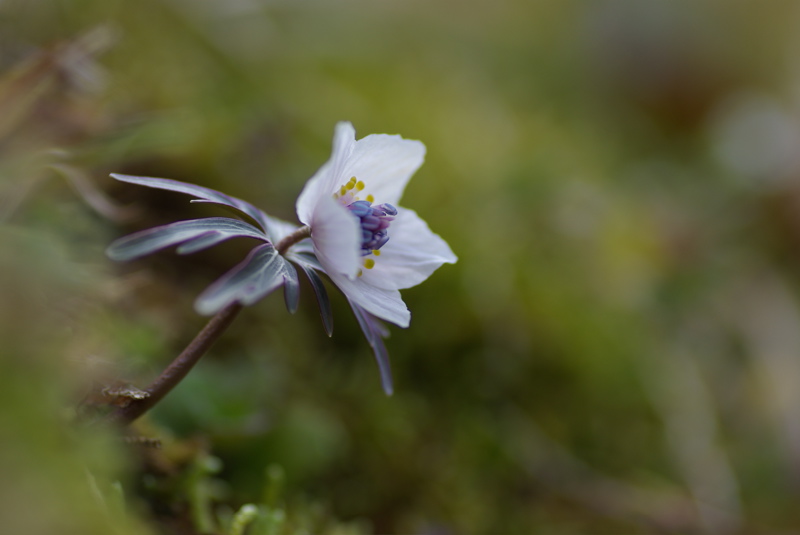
(369, 248)
(368, 245)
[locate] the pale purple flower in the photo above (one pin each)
(368, 246)
(367, 178)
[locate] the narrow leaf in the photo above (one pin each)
(205, 194)
(231, 210)
(291, 288)
(157, 238)
(374, 331)
(322, 297)
(260, 273)
(203, 241)
(306, 259)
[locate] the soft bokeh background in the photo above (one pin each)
(617, 350)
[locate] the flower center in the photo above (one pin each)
(374, 219)
(375, 222)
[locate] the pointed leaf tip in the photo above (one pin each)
(375, 331)
(263, 271)
(307, 264)
(291, 288)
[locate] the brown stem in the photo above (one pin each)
(296, 236)
(177, 370)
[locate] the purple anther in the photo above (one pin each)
(387, 209)
(379, 242)
(370, 222)
(360, 208)
(374, 222)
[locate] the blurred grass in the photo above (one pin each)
(615, 352)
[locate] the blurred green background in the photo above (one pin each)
(617, 350)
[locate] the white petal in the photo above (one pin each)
(385, 164)
(329, 177)
(337, 237)
(412, 253)
(382, 303)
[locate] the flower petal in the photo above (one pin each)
(410, 256)
(385, 164)
(329, 177)
(336, 236)
(380, 302)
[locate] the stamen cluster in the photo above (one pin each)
(349, 192)
(375, 222)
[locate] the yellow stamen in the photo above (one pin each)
(359, 185)
(376, 252)
(342, 191)
(360, 272)
(369, 263)
(370, 198)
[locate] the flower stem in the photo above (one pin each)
(177, 370)
(183, 363)
(298, 235)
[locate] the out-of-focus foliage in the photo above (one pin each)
(616, 351)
